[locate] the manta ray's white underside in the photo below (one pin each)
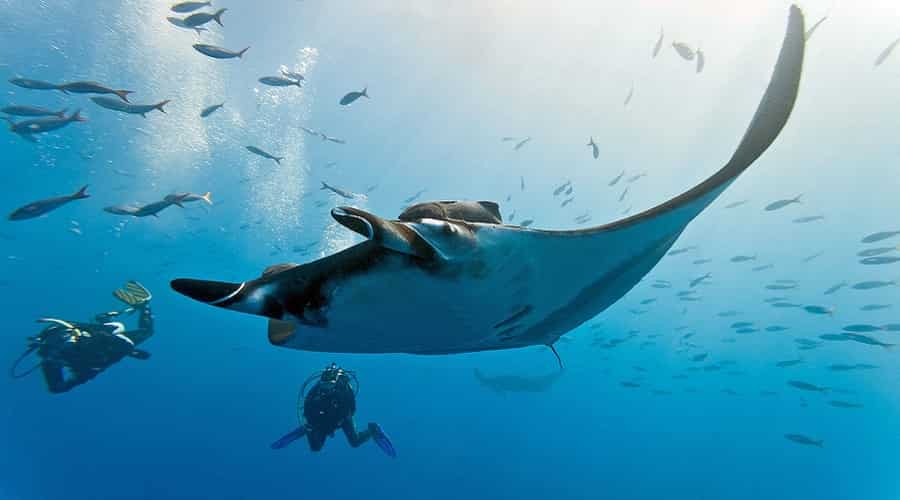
(447, 286)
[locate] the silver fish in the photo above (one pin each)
(628, 97)
(875, 251)
(255, 150)
(616, 179)
(835, 288)
(351, 97)
(201, 18)
(31, 111)
(125, 107)
(185, 7)
(886, 52)
(659, 42)
(775, 205)
(818, 310)
(736, 204)
(805, 386)
(844, 404)
(27, 128)
(340, 192)
(701, 61)
(595, 151)
(279, 81)
(878, 261)
(218, 52)
(742, 258)
(177, 21)
(802, 439)
(865, 339)
(521, 143)
(869, 285)
(883, 235)
(27, 83)
(683, 50)
(41, 207)
(210, 110)
(809, 218)
(85, 87)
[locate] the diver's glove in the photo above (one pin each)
(134, 294)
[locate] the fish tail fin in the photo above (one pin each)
(365, 92)
(123, 94)
(161, 104)
(241, 53)
(217, 17)
(81, 193)
(76, 116)
(797, 199)
(61, 114)
(278, 159)
(324, 186)
(207, 198)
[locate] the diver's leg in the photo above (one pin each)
(54, 376)
(354, 437)
(316, 440)
(289, 438)
(145, 326)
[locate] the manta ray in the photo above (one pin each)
(450, 277)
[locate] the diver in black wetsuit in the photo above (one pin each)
(72, 353)
(328, 406)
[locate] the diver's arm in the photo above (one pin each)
(354, 437)
(145, 325)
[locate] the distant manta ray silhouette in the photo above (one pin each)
(441, 284)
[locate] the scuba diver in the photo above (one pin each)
(72, 353)
(330, 404)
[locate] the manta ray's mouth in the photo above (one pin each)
(354, 220)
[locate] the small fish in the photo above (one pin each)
(93, 88)
(819, 310)
(521, 143)
(255, 150)
(834, 337)
(659, 42)
(865, 339)
(744, 331)
(802, 439)
(737, 204)
(741, 324)
(699, 357)
(559, 190)
(125, 107)
(340, 192)
(776, 328)
(813, 28)
(526, 222)
(844, 404)
(875, 251)
(415, 196)
(785, 305)
(185, 7)
(647, 301)
(808, 218)
(218, 52)
(27, 83)
(177, 21)
(869, 285)
(595, 151)
(179, 198)
(628, 97)
(32, 111)
(807, 342)
(874, 307)
(878, 261)
(886, 52)
(616, 179)
(41, 207)
(279, 81)
(780, 287)
(521, 183)
(27, 128)
(883, 235)
(681, 250)
(813, 257)
(776, 205)
(807, 386)
(728, 314)
(861, 328)
(566, 202)
(788, 363)
(699, 262)
(844, 368)
(622, 196)
(835, 288)
(743, 258)
(763, 267)
(201, 18)
(210, 110)
(683, 50)
(351, 97)
(697, 281)
(701, 61)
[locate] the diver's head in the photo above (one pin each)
(331, 373)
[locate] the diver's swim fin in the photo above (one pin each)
(133, 293)
(139, 354)
(288, 438)
(382, 440)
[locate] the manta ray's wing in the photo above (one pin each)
(601, 264)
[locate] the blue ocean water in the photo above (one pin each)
(447, 81)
